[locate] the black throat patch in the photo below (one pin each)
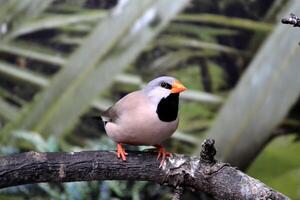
(167, 108)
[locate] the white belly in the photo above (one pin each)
(146, 129)
(137, 122)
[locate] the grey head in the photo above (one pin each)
(163, 93)
(159, 88)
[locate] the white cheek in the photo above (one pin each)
(157, 94)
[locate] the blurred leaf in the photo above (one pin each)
(33, 138)
(118, 187)
(199, 31)
(226, 21)
(201, 96)
(22, 10)
(54, 21)
(288, 183)
(181, 42)
(7, 149)
(6, 94)
(67, 40)
(79, 80)
(195, 119)
(8, 111)
(19, 49)
(15, 12)
(22, 75)
(185, 137)
(278, 166)
(53, 193)
(53, 144)
(76, 190)
(129, 79)
(69, 6)
(137, 188)
(105, 193)
(76, 28)
(217, 76)
(262, 98)
(172, 59)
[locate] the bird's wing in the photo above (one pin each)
(109, 115)
(127, 103)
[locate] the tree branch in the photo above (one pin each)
(292, 19)
(202, 174)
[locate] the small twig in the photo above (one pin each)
(292, 19)
(208, 151)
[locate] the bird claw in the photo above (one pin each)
(162, 153)
(121, 152)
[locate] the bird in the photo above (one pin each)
(145, 117)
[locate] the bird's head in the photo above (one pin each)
(162, 87)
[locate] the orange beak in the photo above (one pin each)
(177, 87)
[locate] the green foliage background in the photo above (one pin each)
(50, 51)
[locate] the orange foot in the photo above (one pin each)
(121, 152)
(162, 153)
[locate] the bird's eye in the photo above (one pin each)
(165, 85)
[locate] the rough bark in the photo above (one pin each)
(202, 173)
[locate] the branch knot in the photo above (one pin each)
(208, 151)
(292, 19)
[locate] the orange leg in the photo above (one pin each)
(162, 153)
(121, 152)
